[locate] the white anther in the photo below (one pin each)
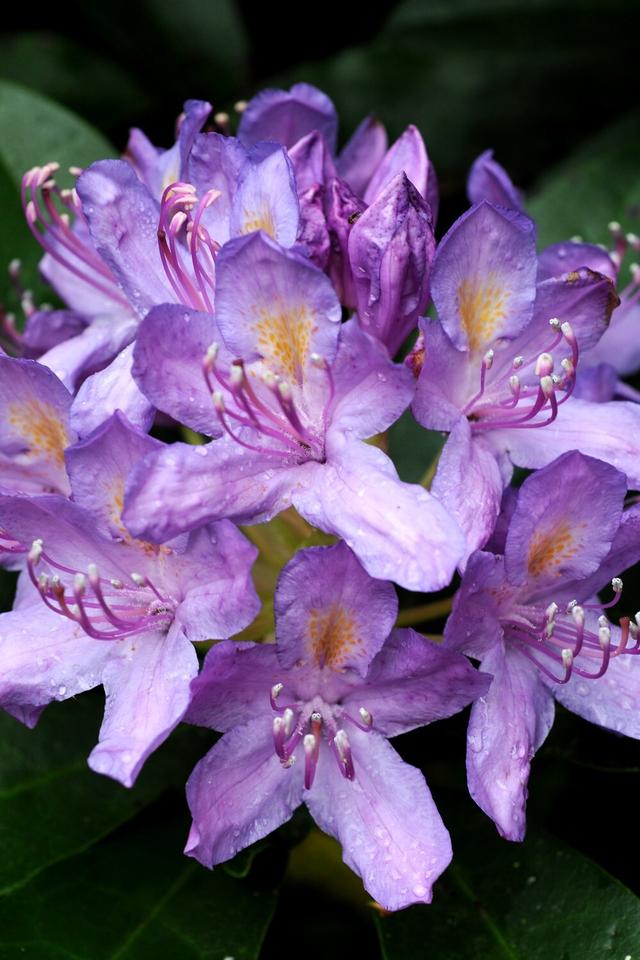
(218, 400)
(551, 611)
(578, 615)
(517, 362)
(487, 360)
(284, 389)
(365, 716)
(221, 118)
(36, 551)
(556, 379)
(276, 690)
(269, 379)
(43, 582)
(288, 718)
(547, 386)
(544, 364)
(341, 740)
(554, 323)
(317, 360)
(514, 384)
(76, 171)
(575, 239)
(637, 618)
(602, 621)
(309, 743)
(116, 584)
(79, 583)
(571, 605)
(567, 657)
(236, 375)
(633, 239)
(92, 570)
(633, 630)
(138, 579)
(212, 353)
(316, 716)
(567, 330)
(616, 585)
(567, 366)
(634, 268)
(550, 629)
(289, 762)
(604, 636)
(614, 227)
(240, 106)
(14, 268)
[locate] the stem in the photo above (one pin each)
(426, 611)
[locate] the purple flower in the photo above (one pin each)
(97, 606)
(294, 393)
(306, 720)
(500, 366)
(532, 618)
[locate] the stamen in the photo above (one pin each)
(343, 754)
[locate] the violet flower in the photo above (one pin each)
(95, 606)
(294, 392)
(533, 620)
(499, 366)
(306, 720)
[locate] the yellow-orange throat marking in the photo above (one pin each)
(40, 426)
(283, 338)
(332, 636)
(550, 549)
(482, 307)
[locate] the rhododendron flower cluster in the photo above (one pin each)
(276, 306)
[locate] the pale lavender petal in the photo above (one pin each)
(91, 350)
(266, 197)
(234, 684)
(443, 386)
(407, 155)
(564, 257)
(312, 162)
(273, 304)
(391, 247)
(214, 163)
(607, 431)
(45, 329)
(506, 728)
(362, 154)
(98, 468)
(619, 346)
(239, 793)
(483, 276)
(397, 530)
(370, 391)
(389, 827)
(107, 391)
(167, 364)
(473, 625)
(414, 681)
(329, 612)
(286, 116)
(564, 522)
(214, 576)
(34, 427)
(123, 220)
(146, 682)
(488, 180)
(584, 298)
(597, 384)
(469, 484)
(185, 486)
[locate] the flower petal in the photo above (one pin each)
(488, 180)
(483, 276)
(266, 197)
(443, 386)
(286, 116)
(362, 154)
(239, 793)
(146, 682)
(389, 827)
(329, 612)
(473, 626)
(564, 257)
(107, 391)
(414, 681)
(506, 728)
(407, 155)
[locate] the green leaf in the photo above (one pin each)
(52, 805)
(35, 130)
(137, 897)
(412, 448)
(600, 182)
(539, 900)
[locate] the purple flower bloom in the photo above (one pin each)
(500, 366)
(306, 720)
(531, 619)
(294, 393)
(97, 606)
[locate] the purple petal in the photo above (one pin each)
(329, 612)
(123, 220)
(490, 181)
(607, 431)
(584, 298)
(266, 197)
(469, 484)
(407, 155)
(286, 116)
(312, 162)
(44, 658)
(313, 236)
(183, 487)
(214, 576)
(370, 391)
(45, 329)
(391, 247)
(167, 364)
(389, 827)
(619, 346)
(443, 386)
(158, 168)
(564, 257)
(34, 427)
(362, 154)
(107, 391)
(506, 728)
(342, 209)
(413, 682)
(98, 468)
(214, 163)
(397, 530)
(597, 384)
(473, 626)
(564, 522)
(239, 793)
(146, 682)
(272, 304)
(92, 349)
(483, 276)
(234, 684)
